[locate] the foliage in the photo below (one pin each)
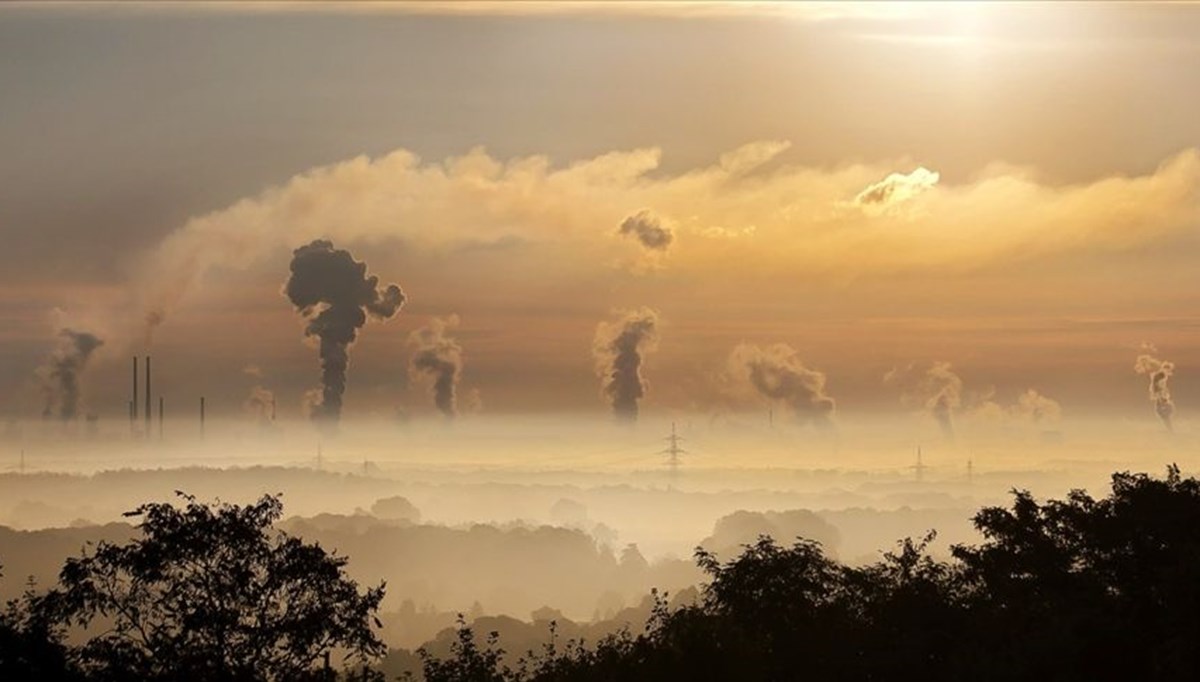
(1066, 590)
(210, 592)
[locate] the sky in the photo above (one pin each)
(857, 199)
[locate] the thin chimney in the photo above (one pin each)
(133, 413)
(147, 396)
(201, 416)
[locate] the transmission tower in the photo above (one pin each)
(673, 452)
(919, 467)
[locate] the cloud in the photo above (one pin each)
(896, 189)
(791, 220)
(648, 228)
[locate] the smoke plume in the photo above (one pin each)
(648, 229)
(261, 404)
(936, 389)
(63, 370)
(778, 374)
(440, 357)
(618, 348)
(1160, 372)
(333, 291)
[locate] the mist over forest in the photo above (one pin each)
(587, 341)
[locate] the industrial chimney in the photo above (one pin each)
(147, 396)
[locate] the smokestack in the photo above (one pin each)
(160, 417)
(201, 416)
(133, 413)
(147, 396)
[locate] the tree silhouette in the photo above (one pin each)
(1074, 589)
(30, 647)
(211, 592)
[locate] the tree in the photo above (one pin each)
(30, 647)
(212, 592)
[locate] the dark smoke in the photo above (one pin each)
(439, 356)
(1160, 372)
(777, 373)
(333, 291)
(63, 369)
(936, 389)
(649, 229)
(618, 349)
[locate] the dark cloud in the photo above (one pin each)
(333, 291)
(1160, 372)
(62, 372)
(440, 357)
(649, 229)
(619, 348)
(777, 374)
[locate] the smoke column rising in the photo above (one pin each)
(63, 370)
(1160, 372)
(333, 291)
(439, 356)
(259, 404)
(937, 390)
(619, 348)
(778, 374)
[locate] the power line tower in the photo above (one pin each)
(919, 467)
(673, 452)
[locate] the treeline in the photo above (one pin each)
(1079, 588)
(1074, 589)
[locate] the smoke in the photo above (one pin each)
(618, 348)
(1160, 372)
(62, 372)
(777, 374)
(333, 291)
(1031, 408)
(440, 357)
(649, 229)
(261, 404)
(937, 390)
(1034, 407)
